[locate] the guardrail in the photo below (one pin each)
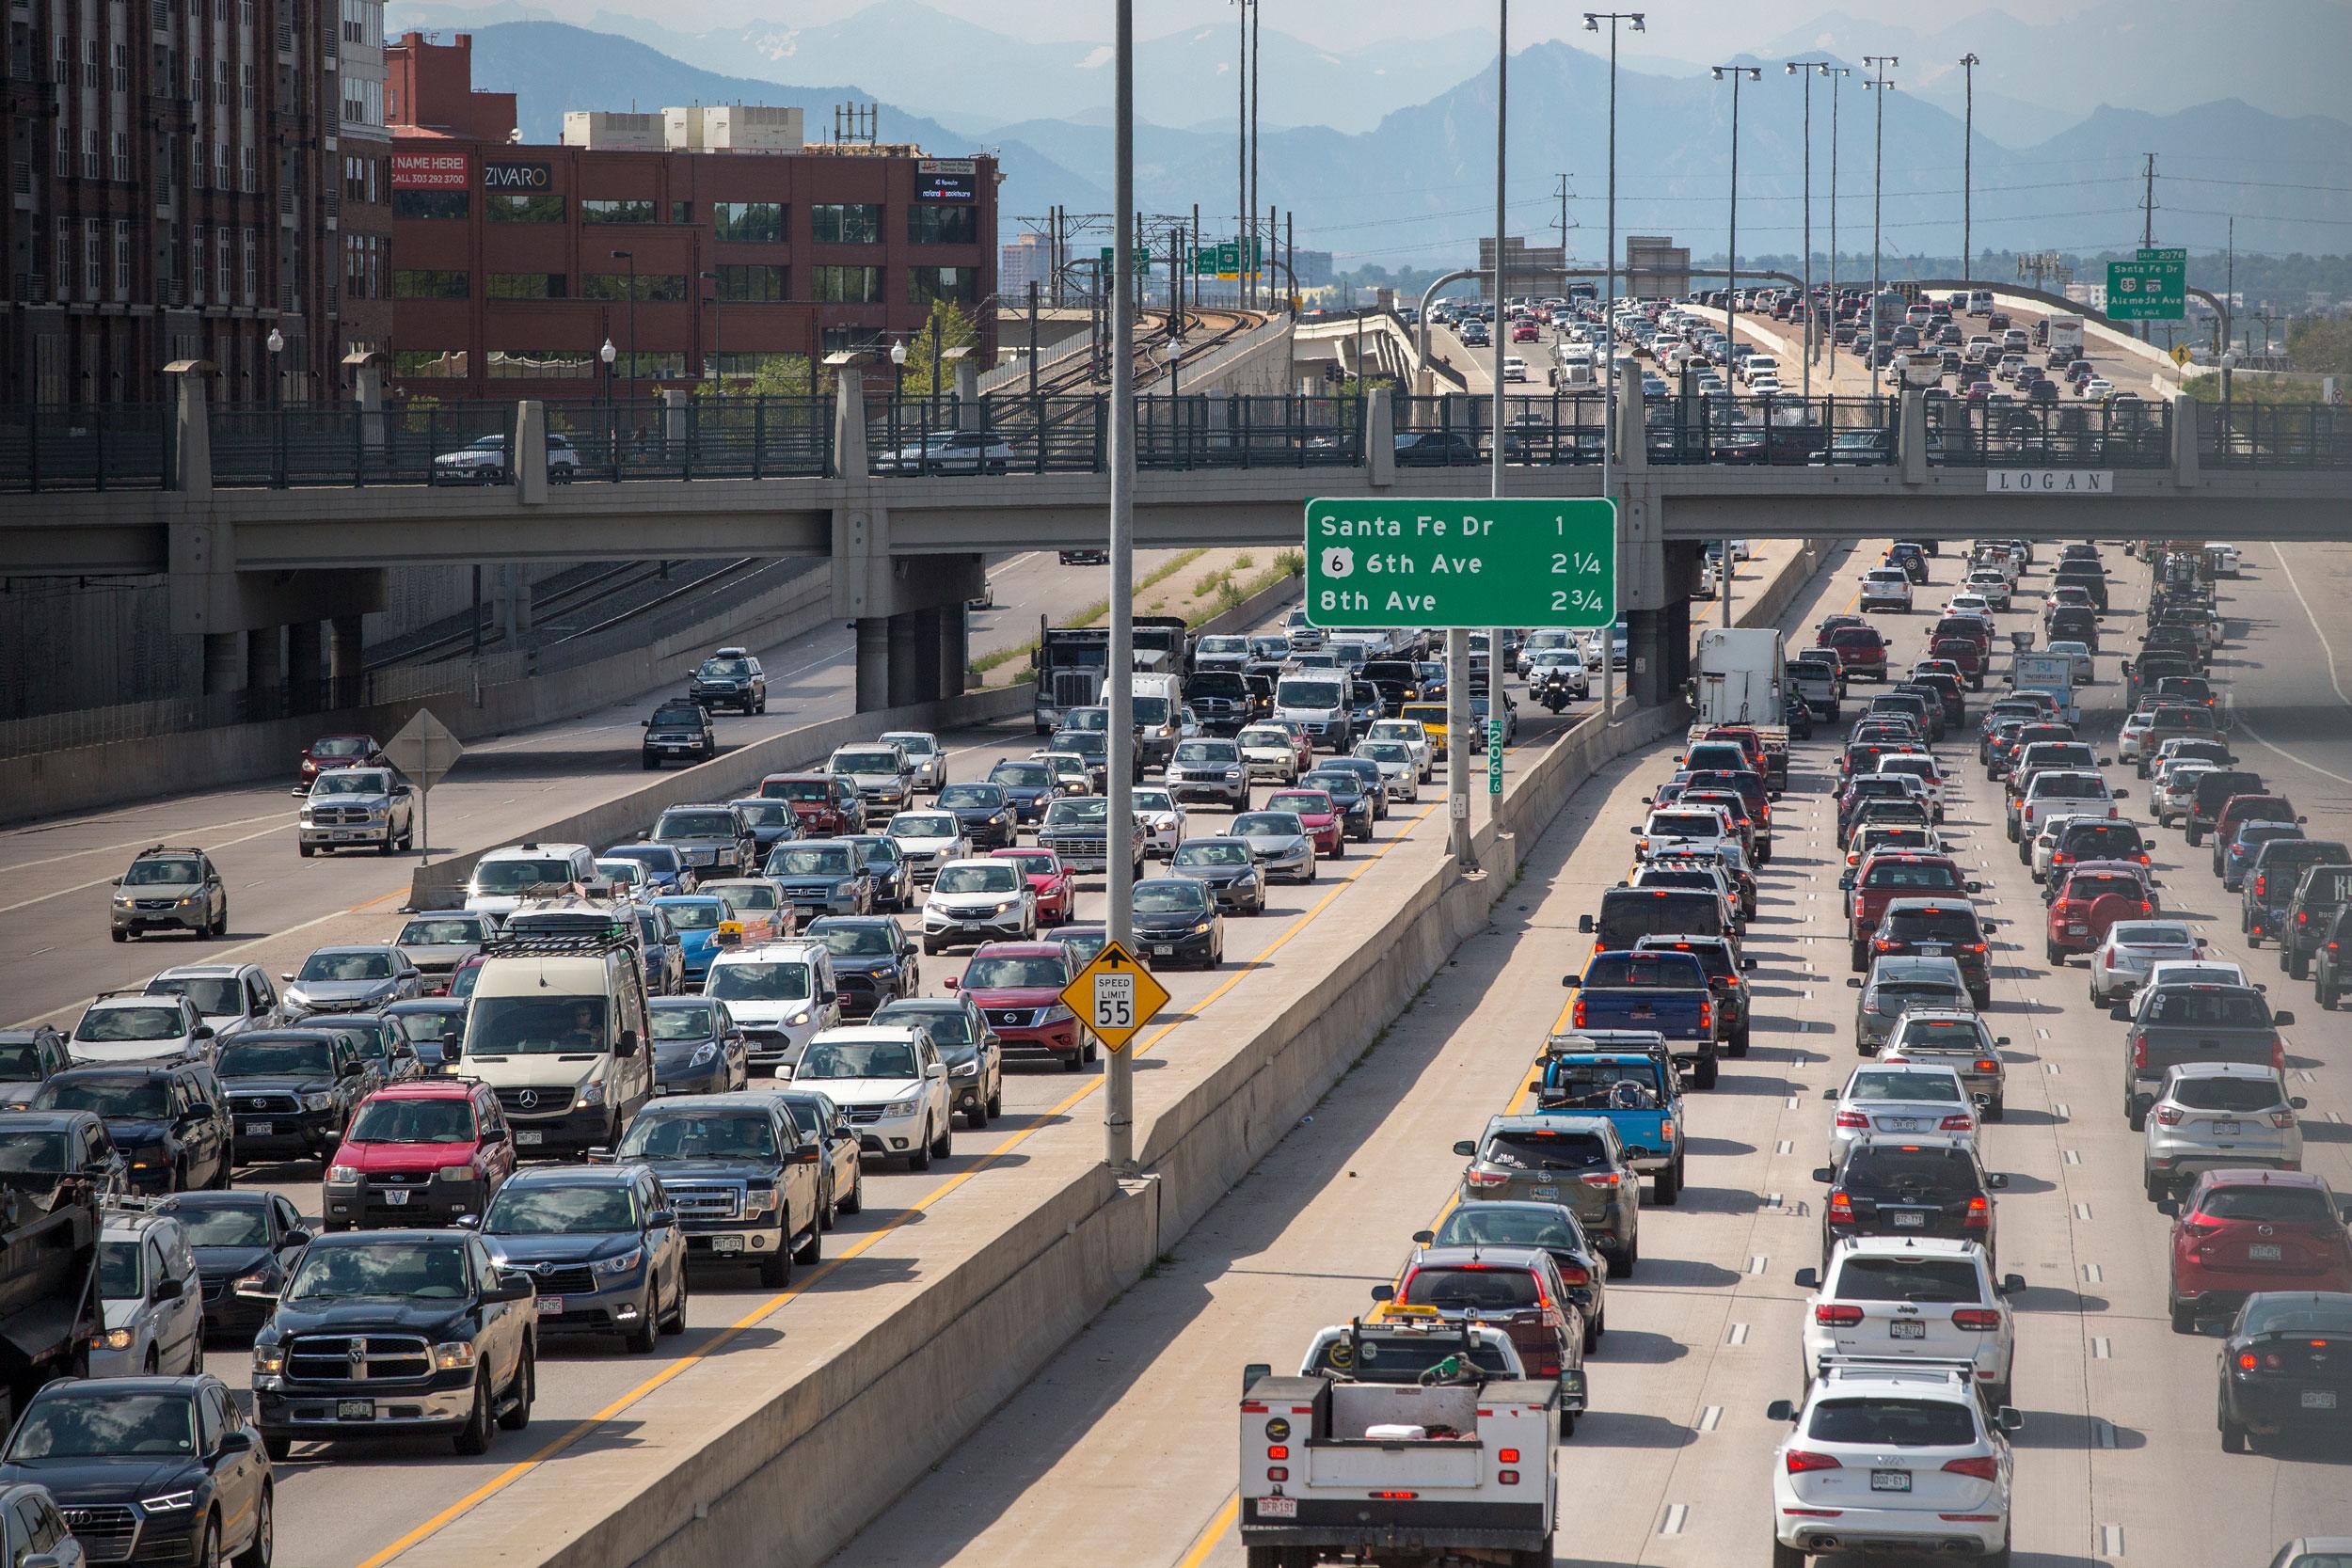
(2123, 434)
(115, 446)
(2278, 434)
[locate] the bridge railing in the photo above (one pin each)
(1231, 431)
(1776, 429)
(2132, 435)
(115, 446)
(647, 439)
(1007, 433)
(2274, 435)
(297, 445)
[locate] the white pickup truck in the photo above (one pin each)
(1403, 1440)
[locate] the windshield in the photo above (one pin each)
(1910, 1169)
(1270, 739)
(1021, 775)
(989, 796)
(146, 1097)
(413, 1121)
(1169, 898)
(1200, 754)
(1308, 694)
(131, 1023)
(214, 997)
(1014, 971)
(1151, 711)
(2203, 1007)
(738, 896)
(924, 824)
(758, 980)
(519, 1211)
(1532, 1149)
(19, 1060)
(351, 780)
(434, 1271)
(536, 1025)
(871, 941)
(815, 860)
(1272, 824)
(866, 762)
(695, 824)
(684, 1023)
(105, 1424)
(815, 790)
(2293, 1314)
(913, 745)
(347, 966)
(687, 1134)
(29, 1153)
(432, 933)
(1903, 1086)
(979, 878)
(1644, 971)
(857, 1059)
(119, 1271)
(1918, 1280)
(241, 1226)
(2225, 1094)
(264, 1058)
(1940, 1034)
(1211, 854)
(695, 917)
(1926, 876)
(727, 667)
(1486, 1288)
(681, 715)
(1500, 1225)
(1083, 812)
(767, 814)
(503, 877)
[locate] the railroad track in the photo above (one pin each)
(584, 595)
(1206, 331)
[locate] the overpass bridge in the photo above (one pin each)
(908, 498)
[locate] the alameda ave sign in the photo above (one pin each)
(1455, 564)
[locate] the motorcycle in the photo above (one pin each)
(1553, 692)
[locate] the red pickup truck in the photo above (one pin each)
(1860, 650)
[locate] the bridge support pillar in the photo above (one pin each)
(2185, 411)
(192, 428)
(306, 663)
(224, 663)
(954, 649)
(967, 395)
(1380, 438)
(913, 678)
(345, 673)
(1658, 643)
(873, 663)
(529, 465)
(264, 659)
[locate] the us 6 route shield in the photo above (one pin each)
(1382, 562)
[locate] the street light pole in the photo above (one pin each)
(1808, 69)
(1836, 75)
(1118, 683)
(1609, 339)
(1731, 294)
(630, 257)
(1878, 83)
(276, 343)
(1969, 64)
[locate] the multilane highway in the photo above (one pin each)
(1122, 1449)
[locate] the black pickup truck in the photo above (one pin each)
(2323, 891)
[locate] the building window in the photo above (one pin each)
(122, 156)
(956, 224)
(252, 267)
(95, 257)
(750, 283)
(123, 68)
(749, 222)
(246, 86)
(123, 258)
(522, 207)
(420, 283)
(846, 223)
(925, 285)
(681, 212)
(541, 364)
(202, 283)
(527, 285)
(650, 366)
(657, 286)
(848, 286)
(440, 363)
(616, 210)
(429, 204)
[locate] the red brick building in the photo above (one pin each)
(515, 261)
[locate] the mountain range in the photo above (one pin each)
(1417, 186)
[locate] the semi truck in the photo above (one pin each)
(1741, 676)
(2066, 340)
(1071, 661)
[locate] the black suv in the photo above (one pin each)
(1939, 929)
(2273, 876)
(679, 732)
(1909, 1186)
(147, 1469)
(874, 962)
(730, 678)
(169, 1121)
(386, 1333)
(293, 1090)
(2324, 891)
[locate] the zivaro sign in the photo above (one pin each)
(2049, 481)
(517, 177)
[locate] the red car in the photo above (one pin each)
(1860, 650)
(2240, 1231)
(337, 751)
(425, 1152)
(1319, 814)
(2095, 896)
(1049, 880)
(1967, 658)
(1525, 332)
(824, 804)
(1019, 985)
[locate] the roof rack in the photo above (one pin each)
(1959, 1370)
(167, 849)
(609, 937)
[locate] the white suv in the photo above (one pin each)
(1889, 1456)
(892, 1085)
(781, 994)
(1885, 588)
(131, 1026)
(1912, 1298)
(977, 901)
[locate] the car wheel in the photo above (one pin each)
(920, 1157)
(1666, 1186)
(526, 1389)
(675, 1322)
(306, 851)
(1705, 1077)
(475, 1436)
(125, 936)
(996, 1099)
(812, 1250)
(2233, 1433)
(776, 1269)
(639, 1340)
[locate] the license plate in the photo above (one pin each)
(396, 1196)
(1163, 951)
(1277, 1507)
(1902, 1124)
(1933, 950)
(345, 836)
(1547, 1192)
(727, 1243)
(1890, 1481)
(1911, 1221)
(2262, 1252)
(2319, 1399)
(550, 1303)
(1902, 1328)
(524, 1137)
(2225, 1129)
(257, 1129)
(355, 1410)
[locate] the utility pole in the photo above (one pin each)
(1878, 82)
(1608, 341)
(1563, 224)
(1969, 64)
(1836, 75)
(1253, 266)
(1241, 134)
(2148, 224)
(1118, 688)
(1732, 293)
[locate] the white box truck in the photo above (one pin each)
(2066, 340)
(1741, 676)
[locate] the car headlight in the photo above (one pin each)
(343, 1173)
(1232, 773)
(319, 1101)
(1006, 905)
(114, 1338)
(297, 998)
(258, 1280)
(170, 1502)
(703, 1054)
(759, 1201)
(1204, 928)
(453, 1356)
(965, 1070)
(590, 1094)
(905, 1103)
(453, 1173)
(1055, 1014)
(798, 1019)
(268, 1360)
(122, 900)
(622, 1264)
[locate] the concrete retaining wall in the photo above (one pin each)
(800, 1456)
(88, 777)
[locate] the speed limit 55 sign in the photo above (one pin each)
(1115, 996)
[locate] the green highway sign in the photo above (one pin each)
(2153, 289)
(1494, 756)
(1383, 562)
(1143, 261)
(2165, 253)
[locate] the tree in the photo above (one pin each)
(956, 329)
(779, 376)
(2324, 347)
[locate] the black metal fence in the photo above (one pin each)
(2128, 434)
(770, 437)
(115, 446)
(1776, 431)
(1011, 434)
(1210, 430)
(294, 446)
(2274, 435)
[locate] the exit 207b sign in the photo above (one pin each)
(1382, 562)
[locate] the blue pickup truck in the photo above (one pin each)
(1628, 1077)
(1661, 992)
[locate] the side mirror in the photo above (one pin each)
(2121, 1012)
(1825, 1175)
(296, 1237)
(2122, 793)
(1747, 966)
(2299, 1103)
(627, 1045)
(468, 1222)
(1467, 1150)
(1253, 1370)
(1808, 1279)
(2108, 762)
(2012, 1284)
(235, 1441)
(1780, 1410)
(1973, 887)
(1534, 1085)
(807, 1155)
(1997, 1180)
(169, 1290)
(2282, 1020)
(351, 1070)
(644, 724)
(1571, 981)
(660, 1219)
(510, 1286)
(2169, 1207)
(2009, 1417)
(1854, 982)
(949, 982)
(599, 1155)
(1845, 882)
(201, 1032)
(1585, 924)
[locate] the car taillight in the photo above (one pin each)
(2278, 1054)
(1977, 1320)
(1983, 1469)
(1853, 1118)
(1956, 1122)
(2301, 918)
(1980, 1213)
(1987, 1065)
(1575, 1274)
(2139, 1042)
(1801, 1460)
(1485, 1178)
(1579, 1018)
(1600, 1178)
(1838, 1316)
(2260, 881)
(2283, 1118)
(1840, 1209)
(2168, 1116)
(1706, 1014)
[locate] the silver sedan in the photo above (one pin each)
(1400, 770)
(2119, 966)
(1279, 842)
